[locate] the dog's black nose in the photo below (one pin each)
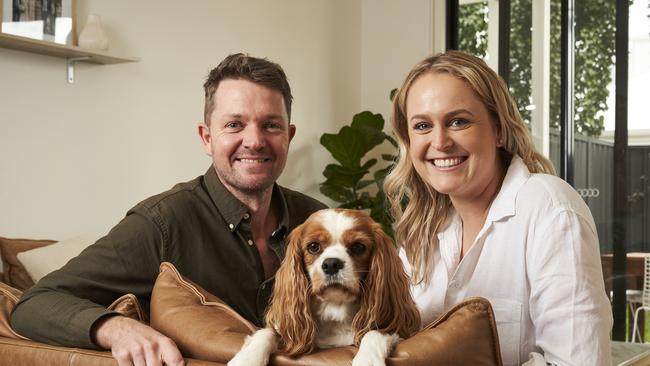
(331, 266)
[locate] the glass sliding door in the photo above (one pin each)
(535, 80)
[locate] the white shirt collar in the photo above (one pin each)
(505, 201)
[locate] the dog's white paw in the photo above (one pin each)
(256, 350)
(374, 349)
(368, 359)
(249, 357)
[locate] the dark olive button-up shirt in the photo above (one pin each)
(199, 226)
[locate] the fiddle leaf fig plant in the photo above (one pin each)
(351, 182)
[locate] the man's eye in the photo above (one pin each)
(234, 124)
(357, 248)
(313, 247)
(273, 126)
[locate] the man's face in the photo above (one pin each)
(248, 136)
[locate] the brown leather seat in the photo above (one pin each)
(465, 335)
(16, 350)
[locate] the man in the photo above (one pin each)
(224, 230)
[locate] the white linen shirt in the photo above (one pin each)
(537, 261)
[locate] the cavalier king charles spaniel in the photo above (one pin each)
(341, 283)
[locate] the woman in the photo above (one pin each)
(487, 217)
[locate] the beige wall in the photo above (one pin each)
(75, 157)
(394, 37)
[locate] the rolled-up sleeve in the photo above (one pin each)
(63, 306)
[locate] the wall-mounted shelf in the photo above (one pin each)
(70, 53)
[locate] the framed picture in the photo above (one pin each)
(46, 20)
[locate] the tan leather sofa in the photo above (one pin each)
(16, 350)
(208, 332)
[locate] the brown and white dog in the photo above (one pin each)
(341, 283)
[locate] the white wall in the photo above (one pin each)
(75, 157)
(394, 37)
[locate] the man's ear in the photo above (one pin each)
(206, 137)
(292, 131)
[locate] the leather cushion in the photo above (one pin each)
(204, 327)
(9, 296)
(15, 274)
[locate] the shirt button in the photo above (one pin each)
(231, 226)
(246, 216)
(250, 242)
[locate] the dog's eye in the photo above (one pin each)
(357, 248)
(313, 247)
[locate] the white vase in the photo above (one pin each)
(93, 37)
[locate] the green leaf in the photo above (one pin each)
(392, 94)
(369, 164)
(353, 142)
(367, 119)
(389, 157)
(371, 126)
(392, 141)
(347, 147)
(381, 174)
(364, 183)
(336, 192)
(344, 176)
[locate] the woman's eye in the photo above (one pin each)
(313, 248)
(421, 126)
(357, 248)
(458, 123)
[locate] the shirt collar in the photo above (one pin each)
(233, 210)
(505, 202)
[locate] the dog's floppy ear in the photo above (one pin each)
(289, 313)
(386, 305)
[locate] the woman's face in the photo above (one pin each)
(453, 140)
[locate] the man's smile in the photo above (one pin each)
(253, 161)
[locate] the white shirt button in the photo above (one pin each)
(246, 216)
(250, 242)
(231, 226)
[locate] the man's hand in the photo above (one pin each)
(134, 343)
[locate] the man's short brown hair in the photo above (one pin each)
(240, 66)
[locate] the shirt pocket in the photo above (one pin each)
(508, 316)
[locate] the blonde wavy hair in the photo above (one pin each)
(426, 210)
